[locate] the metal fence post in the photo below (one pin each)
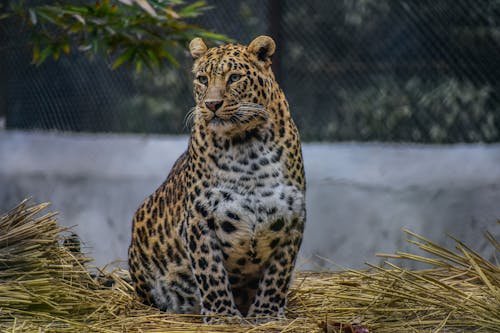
(274, 28)
(3, 67)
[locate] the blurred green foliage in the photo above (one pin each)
(384, 70)
(162, 104)
(416, 111)
(138, 32)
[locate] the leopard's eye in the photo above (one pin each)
(234, 77)
(203, 79)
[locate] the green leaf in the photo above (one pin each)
(146, 6)
(211, 35)
(56, 53)
(153, 58)
(44, 55)
(36, 53)
(166, 55)
(193, 10)
(45, 16)
(126, 56)
(80, 10)
(66, 48)
(138, 66)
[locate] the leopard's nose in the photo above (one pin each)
(213, 105)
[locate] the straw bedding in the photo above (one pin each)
(47, 285)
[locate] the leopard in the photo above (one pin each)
(220, 237)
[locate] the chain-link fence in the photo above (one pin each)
(384, 70)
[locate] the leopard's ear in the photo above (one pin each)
(262, 48)
(197, 48)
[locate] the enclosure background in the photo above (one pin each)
(377, 70)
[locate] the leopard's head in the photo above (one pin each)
(233, 85)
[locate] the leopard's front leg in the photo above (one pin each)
(271, 297)
(206, 259)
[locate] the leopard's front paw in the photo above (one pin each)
(259, 320)
(229, 318)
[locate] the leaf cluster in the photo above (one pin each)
(138, 32)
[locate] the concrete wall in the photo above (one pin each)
(359, 196)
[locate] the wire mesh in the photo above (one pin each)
(377, 70)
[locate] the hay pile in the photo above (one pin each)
(46, 286)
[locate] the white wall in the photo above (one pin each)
(359, 196)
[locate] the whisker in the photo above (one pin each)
(251, 105)
(189, 118)
(250, 110)
(256, 108)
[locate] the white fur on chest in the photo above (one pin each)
(258, 208)
(257, 196)
(244, 204)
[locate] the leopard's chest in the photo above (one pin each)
(252, 205)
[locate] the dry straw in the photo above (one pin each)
(46, 286)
